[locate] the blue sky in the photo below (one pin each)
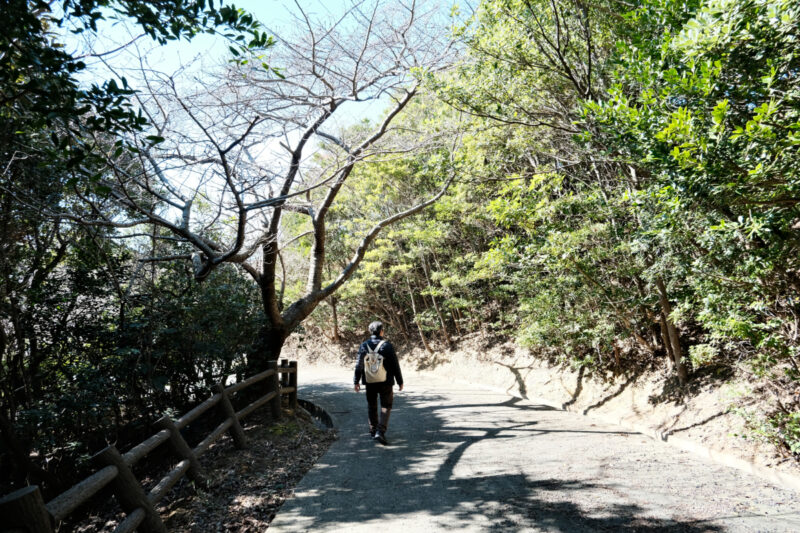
(273, 14)
(205, 52)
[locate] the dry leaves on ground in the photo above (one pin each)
(247, 487)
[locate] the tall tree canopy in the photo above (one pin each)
(633, 171)
(622, 194)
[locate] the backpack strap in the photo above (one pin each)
(377, 347)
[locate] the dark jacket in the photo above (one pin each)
(390, 362)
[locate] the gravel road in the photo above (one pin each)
(467, 459)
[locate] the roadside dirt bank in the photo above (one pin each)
(708, 417)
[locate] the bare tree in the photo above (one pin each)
(228, 159)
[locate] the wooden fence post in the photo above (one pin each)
(293, 383)
(182, 449)
(284, 375)
(236, 431)
(274, 385)
(129, 491)
(25, 509)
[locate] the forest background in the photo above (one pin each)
(622, 184)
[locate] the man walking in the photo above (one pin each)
(378, 368)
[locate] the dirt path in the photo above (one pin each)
(463, 458)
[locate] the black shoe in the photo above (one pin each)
(380, 437)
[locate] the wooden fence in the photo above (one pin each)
(25, 510)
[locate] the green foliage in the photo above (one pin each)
(681, 174)
(89, 350)
(38, 76)
(416, 277)
(702, 354)
(92, 358)
(785, 430)
(781, 429)
(621, 176)
(613, 188)
(710, 114)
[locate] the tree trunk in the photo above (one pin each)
(645, 312)
(398, 312)
(455, 322)
(404, 323)
(621, 311)
(672, 333)
(436, 305)
(21, 455)
(267, 347)
(414, 310)
(335, 319)
(662, 322)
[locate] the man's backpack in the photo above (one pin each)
(373, 364)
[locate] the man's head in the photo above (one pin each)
(376, 328)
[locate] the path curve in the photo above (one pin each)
(468, 459)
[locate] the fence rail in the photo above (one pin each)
(25, 510)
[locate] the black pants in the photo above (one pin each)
(386, 393)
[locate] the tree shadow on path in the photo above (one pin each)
(359, 482)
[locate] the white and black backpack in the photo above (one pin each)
(373, 364)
